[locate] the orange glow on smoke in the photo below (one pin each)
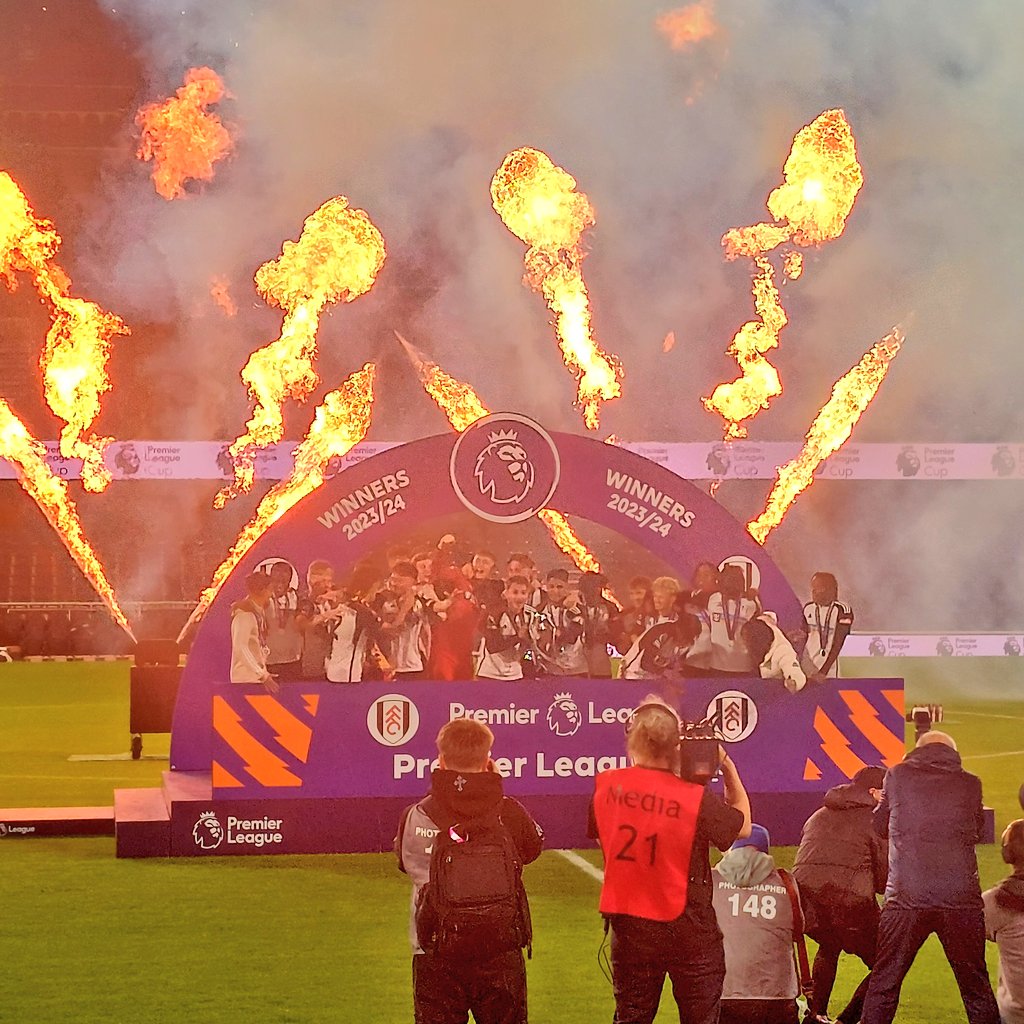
(831, 428)
(462, 405)
(339, 424)
(182, 138)
(687, 25)
(336, 259)
(220, 292)
(50, 493)
(74, 358)
(538, 202)
(822, 179)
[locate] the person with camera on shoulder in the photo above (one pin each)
(655, 821)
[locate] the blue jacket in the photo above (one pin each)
(932, 813)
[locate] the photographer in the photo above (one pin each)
(655, 829)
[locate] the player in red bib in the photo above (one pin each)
(655, 829)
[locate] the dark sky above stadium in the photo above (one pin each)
(408, 108)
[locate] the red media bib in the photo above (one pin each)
(646, 821)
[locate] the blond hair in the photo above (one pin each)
(465, 744)
(667, 583)
(653, 732)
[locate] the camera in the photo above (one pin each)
(698, 750)
(924, 716)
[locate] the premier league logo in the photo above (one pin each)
(1003, 462)
(564, 718)
(127, 460)
(392, 719)
(908, 462)
(208, 832)
(504, 468)
(877, 647)
(1012, 647)
(734, 715)
(944, 647)
(719, 460)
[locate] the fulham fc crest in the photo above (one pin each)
(734, 714)
(392, 719)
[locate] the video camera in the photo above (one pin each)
(924, 716)
(698, 750)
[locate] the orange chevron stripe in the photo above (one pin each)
(898, 699)
(312, 703)
(293, 734)
(263, 765)
(811, 771)
(865, 717)
(223, 779)
(836, 746)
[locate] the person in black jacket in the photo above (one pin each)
(840, 866)
(465, 790)
(931, 812)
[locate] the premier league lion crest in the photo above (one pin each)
(504, 468)
(208, 831)
(564, 718)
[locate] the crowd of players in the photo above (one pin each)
(436, 615)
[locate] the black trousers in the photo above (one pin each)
(902, 932)
(851, 929)
(758, 1011)
(447, 991)
(643, 952)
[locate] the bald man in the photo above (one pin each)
(931, 813)
(1004, 924)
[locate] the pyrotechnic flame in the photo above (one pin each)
(538, 203)
(744, 397)
(687, 25)
(74, 359)
(50, 493)
(831, 428)
(822, 179)
(220, 292)
(339, 424)
(462, 405)
(336, 259)
(182, 138)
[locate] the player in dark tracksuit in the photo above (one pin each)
(466, 787)
(840, 866)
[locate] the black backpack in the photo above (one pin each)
(474, 906)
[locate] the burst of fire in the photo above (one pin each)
(831, 428)
(822, 179)
(50, 493)
(538, 202)
(339, 424)
(220, 292)
(759, 383)
(182, 138)
(336, 259)
(687, 25)
(74, 358)
(462, 405)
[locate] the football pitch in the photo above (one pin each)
(89, 938)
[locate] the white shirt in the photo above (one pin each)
(821, 621)
(248, 654)
(781, 661)
(726, 619)
(348, 647)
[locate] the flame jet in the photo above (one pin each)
(821, 181)
(339, 424)
(336, 259)
(50, 493)
(74, 358)
(181, 137)
(461, 404)
(831, 429)
(538, 203)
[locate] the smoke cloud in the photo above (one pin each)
(408, 108)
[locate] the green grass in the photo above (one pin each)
(87, 937)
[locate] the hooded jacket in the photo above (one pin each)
(932, 815)
(841, 860)
(1004, 925)
(456, 798)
